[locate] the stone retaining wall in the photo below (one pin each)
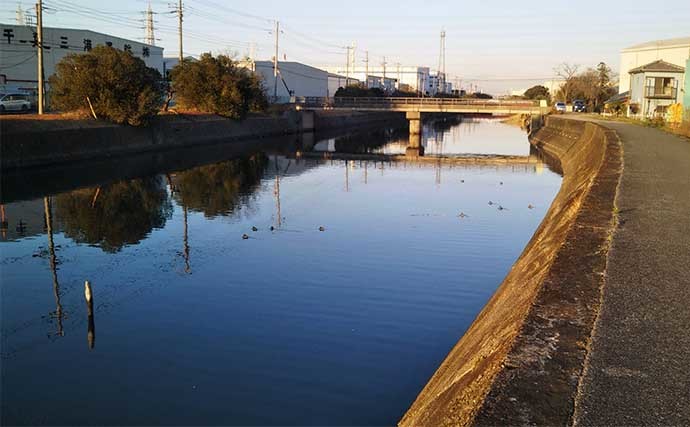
(521, 359)
(26, 142)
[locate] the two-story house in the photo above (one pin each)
(654, 87)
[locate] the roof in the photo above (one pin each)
(658, 66)
(621, 97)
(656, 44)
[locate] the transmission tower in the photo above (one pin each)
(150, 37)
(20, 15)
(442, 63)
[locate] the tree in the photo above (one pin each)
(567, 72)
(359, 91)
(111, 83)
(538, 92)
(217, 85)
(605, 85)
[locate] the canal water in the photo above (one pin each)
(358, 279)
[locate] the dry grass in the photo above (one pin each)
(682, 129)
(72, 115)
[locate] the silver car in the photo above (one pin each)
(14, 102)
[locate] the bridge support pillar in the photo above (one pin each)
(414, 147)
(415, 119)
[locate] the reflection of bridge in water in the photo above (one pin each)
(478, 160)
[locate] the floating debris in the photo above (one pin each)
(491, 203)
(272, 228)
(530, 206)
(500, 183)
(501, 208)
(254, 228)
(462, 181)
(245, 236)
(463, 215)
(322, 228)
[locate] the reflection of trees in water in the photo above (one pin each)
(221, 188)
(114, 215)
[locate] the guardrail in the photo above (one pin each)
(394, 101)
(403, 103)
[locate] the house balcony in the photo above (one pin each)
(655, 92)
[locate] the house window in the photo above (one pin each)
(663, 87)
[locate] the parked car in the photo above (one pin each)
(560, 107)
(579, 106)
(14, 102)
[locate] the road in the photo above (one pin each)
(638, 369)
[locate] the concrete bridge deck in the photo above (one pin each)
(429, 105)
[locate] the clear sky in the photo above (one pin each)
(498, 45)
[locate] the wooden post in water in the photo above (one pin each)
(91, 332)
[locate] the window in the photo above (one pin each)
(665, 87)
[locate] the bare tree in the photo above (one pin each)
(567, 72)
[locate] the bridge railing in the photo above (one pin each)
(394, 102)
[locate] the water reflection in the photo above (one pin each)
(219, 189)
(286, 314)
(114, 215)
(52, 259)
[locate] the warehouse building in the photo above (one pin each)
(18, 56)
(412, 79)
(294, 80)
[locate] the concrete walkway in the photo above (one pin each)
(638, 370)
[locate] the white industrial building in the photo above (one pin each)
(18, 59)
(336, 81)
(294, 80)
(414, 79)
(672, 51)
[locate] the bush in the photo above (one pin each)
(119, 86)
(359, 91)
(217, 85)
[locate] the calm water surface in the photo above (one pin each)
(195, 325)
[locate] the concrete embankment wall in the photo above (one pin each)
(521, 360)
(26, 142)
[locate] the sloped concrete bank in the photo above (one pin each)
(27, 142)
(521, 360)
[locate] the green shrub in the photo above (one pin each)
(359, 91)
(119, 86)
(217, 85)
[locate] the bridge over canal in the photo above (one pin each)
(415, 107)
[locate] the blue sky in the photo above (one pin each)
(497, 45)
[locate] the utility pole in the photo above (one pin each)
(383, 83)
(353, 48)
(347, 65)
(366, 68)
(397, 65)
(39, 45)
(179, 28)
(275, 64)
